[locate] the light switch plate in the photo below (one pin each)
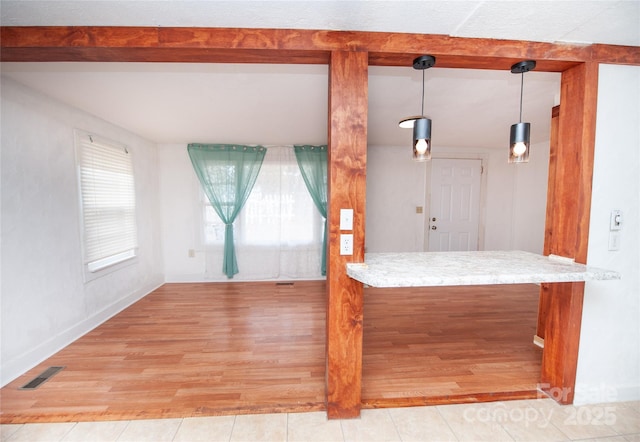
(346, 219)
(615, 222)
(614, 240)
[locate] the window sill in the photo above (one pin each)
(93, 275)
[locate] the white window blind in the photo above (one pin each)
(108, 201)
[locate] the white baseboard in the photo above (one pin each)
(16, 367)
(605, 394)
(199, 278)
(537, 340)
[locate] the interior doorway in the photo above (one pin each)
(454, 205)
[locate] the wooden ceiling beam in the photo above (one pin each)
(289, 46)
(615, 54)
(162, 55)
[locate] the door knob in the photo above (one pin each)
(434, 228)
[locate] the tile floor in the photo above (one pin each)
(527, 420)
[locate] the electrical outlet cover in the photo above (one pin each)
(346, 244)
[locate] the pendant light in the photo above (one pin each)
(519, 139)
(421, 125)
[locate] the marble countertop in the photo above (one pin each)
(423, 269)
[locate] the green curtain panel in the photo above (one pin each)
(312, 161)
(227, 173)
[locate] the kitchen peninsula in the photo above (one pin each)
(427, 269)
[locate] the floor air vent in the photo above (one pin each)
(42, 378)
(284, 283)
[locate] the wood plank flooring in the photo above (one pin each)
(233, 348)
(447, 344)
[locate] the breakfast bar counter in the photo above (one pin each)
(427, 269)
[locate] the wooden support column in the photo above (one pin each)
(567, 227)
(543, 304)
(348, 78)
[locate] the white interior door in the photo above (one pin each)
(454, 208)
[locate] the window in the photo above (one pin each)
(278, 232)
(279, 209)
(107, 194)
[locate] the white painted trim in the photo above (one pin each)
(605, 393)
(199, 278)
(18, 366)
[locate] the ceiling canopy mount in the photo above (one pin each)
(424, 62)
(523, 66)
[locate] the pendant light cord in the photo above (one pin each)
(521, 88)
(422, 110)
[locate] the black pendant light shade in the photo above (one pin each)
(520, 139)
(519, 143)
(421, 125)
(422, 139)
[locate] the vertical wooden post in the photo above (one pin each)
(348, 78)
(567, 227)
(543, 304)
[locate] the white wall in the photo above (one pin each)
(530, 199)
(609, 354)
(513, 201)
(395, 187)
(180, 214)
(45, 304)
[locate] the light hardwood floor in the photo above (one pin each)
(450, 344)
(235, 348)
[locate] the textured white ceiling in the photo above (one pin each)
(274, 104)
(287, 104)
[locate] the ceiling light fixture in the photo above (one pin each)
(519, 139)
(421, 125)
